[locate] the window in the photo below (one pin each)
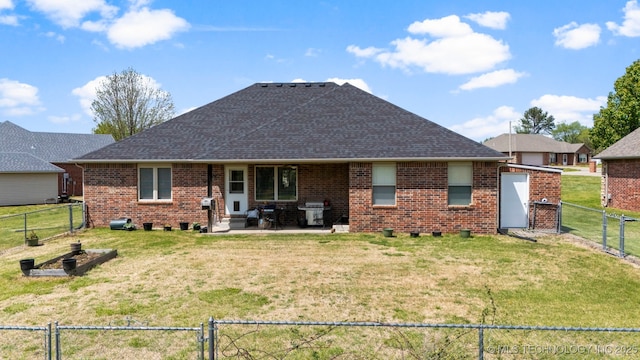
(154, 183)
(582, 158)
(460, 183)
(384, 184)
(236, 182)
(276, 183)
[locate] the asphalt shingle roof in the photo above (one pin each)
(531, 143)
(25, 163)
(51, 147)
(626, 148)
(295, 121)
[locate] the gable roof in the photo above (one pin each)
(310, 122)
(25, 163)
(47, 146)
(626, 148)
(531, 143)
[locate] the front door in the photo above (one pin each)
(236, 193)
(514, 200)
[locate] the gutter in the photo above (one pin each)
(282, 160)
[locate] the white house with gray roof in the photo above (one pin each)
(36, 167)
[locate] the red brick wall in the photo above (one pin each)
(542, 185)
(74, 184)
(621, 179)
(421, 200)
(315, 183)
(111, 192)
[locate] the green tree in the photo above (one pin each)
(622, 113)
(536, 121)
(127, 103)
(570, 133)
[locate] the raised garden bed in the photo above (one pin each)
(84, 261)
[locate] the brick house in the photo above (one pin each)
(536, 149)
(37, 166)
(620, 184)
(289, 144)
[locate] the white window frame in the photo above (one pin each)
(276, 195)
(154, 168)
(459, 174)
(383, 178)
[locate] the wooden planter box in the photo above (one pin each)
(103, 256)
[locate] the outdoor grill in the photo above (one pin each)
(314, 212)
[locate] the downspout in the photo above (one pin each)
(605, 178)
(210, 195)
(84, 204)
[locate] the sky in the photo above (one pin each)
(472, 66)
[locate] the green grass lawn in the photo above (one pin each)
(181, 278)
(585, 191)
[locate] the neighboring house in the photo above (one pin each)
(36, 167)
(620, 186)
(536, 149)
(292, 143)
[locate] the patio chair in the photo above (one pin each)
(252, 216)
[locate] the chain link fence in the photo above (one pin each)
(234, 339)
(249, 339)
(45, 223)
(617, 234)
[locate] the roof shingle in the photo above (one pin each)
(295, 122)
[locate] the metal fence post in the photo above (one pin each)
(49, 352)
(604, 230)
(70, 218)
(25, 228)
(58, 355)
(480, 343)
(622, 220)
(201, 339)
(212, 355)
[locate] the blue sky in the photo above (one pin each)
(471, 66)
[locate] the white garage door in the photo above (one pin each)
(23, 189)
(532, 158)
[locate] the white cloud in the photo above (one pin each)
(567, 109)
(311, 52)
(87, 92)
(449, 26)
(366, 52)
(481, 128)
(574, 36)
(68, 13)
(457, 49)
(493, 79)
(18, 98)
(6, 4)
(53, 35)
(359, 83)
(631, 25)
(9, 20)
(64, 119)
(138, 27)
(491, 19)
(143, 27)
